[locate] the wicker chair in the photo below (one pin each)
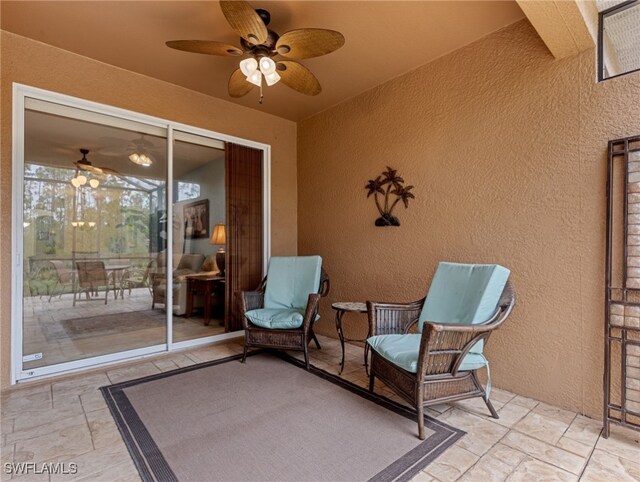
(189, 264)
(440, 375)
(296, 339)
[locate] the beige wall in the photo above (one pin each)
(507, 150)
(32, 63)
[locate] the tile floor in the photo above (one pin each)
(66, 420)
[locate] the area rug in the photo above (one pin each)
(109, 324)
(101, 325)
(268, 420)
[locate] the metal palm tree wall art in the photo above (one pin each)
(390, 186)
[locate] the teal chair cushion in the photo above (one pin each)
(402, 350)
(464, 294)
(290, 280)
(276, 319)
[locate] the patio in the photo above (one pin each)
(67, 420)
(387, 140)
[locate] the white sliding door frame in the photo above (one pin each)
(20, 94)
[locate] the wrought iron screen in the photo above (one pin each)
(622, 312)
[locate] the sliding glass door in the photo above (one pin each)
(132, 235)
(94, 234)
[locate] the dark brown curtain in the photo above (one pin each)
(243, 168)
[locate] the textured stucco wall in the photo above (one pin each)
(33, 63)
(507, 149)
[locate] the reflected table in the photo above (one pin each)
(205, 285)
(117, 271)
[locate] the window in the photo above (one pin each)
(187, 190)
(618, 37)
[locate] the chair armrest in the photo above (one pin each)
(392, 318)
(312, 310)
(131, 272)
(157, 278)
(453, 342)
(250, 300)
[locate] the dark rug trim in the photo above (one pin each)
(152, 465)
(127, 437)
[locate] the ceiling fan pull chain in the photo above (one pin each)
(261, 92)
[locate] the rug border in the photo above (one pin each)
(137, 439)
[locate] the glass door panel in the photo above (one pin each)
(198, 237)
(94, 235)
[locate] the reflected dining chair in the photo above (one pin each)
(281, 313)
(440, 363)
(136, 277)
(63, 276)
(92, 275)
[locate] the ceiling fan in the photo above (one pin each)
(262, 45)
(139, 151)
(85, 165)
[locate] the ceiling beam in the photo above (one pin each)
(560, 24)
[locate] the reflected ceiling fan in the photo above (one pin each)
(139, 151)
(85, 165)
(262, 45)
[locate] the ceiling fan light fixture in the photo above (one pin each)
(255, 78)
(140, 159)
(267, 65)
(272, 78)
(94, 183)
(248, 66)
(82, 180)
(75, 183)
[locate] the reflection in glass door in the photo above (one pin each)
(199, 237)
(94, 235)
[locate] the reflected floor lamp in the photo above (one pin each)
(219, 237)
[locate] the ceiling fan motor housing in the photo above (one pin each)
(268, 47)
(84, 159)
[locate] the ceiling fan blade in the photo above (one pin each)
(205, 47)
(87, 167)
(305, 43)
(108, 170)
(238, 85)
(244, 20)
(298, 77)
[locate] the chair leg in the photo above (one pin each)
(420, 410)
(315, 339)
(494, 414)
(371, 381)
(306, 357)
(244, 353)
